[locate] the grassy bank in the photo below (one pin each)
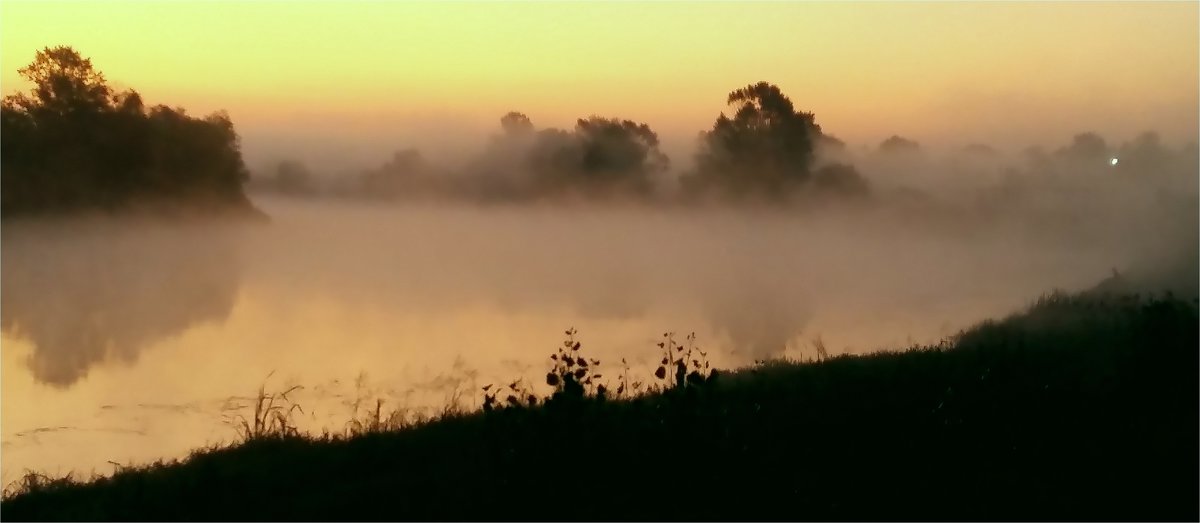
(1082, 407)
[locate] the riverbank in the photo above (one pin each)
(1081, 407)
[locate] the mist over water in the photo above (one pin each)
(142, 338)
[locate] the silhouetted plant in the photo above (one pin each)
(35, 482)
(272, 416)
(572, 373)
(819, 346)
(375, 419)
(515, 394)
(687, 363)
(373, 422)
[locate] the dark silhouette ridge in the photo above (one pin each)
(73, 144)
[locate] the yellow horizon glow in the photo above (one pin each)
(949, 72)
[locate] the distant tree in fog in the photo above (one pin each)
(766, 149)
(599, 157)
(1146, 156)
(553, 159)
(405, 175)
(840, 178)
(1144, 152)
(515, 123)
(1086, 147)
(618, 154)
(293, 179)
(72, 143)
(899, 144)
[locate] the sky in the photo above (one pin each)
(352, 81)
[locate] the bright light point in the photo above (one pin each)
(1112, 161)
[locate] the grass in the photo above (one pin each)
(272, 416)
(1081, 407)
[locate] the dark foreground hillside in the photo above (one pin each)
(1081, 408)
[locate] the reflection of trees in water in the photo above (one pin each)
(91, 293)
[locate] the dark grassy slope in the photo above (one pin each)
(1081, 408)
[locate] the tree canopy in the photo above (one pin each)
(515, 123)
(72, 143)
(599, 157)
(766, 149)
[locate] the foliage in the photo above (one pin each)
(766, 150)
(516, 124)
(687, 363)
(600, 157)
(72, 143)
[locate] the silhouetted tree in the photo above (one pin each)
(515, 123)
(599, 157)
(72, 143)
(765, 149)
(618, 154)
(64, 83)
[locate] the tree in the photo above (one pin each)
(1085, 147)
(840, 179)
(72, 143)
(619, 154)
(405, 175)
(765, 148)
(1144, 153)
(899, 145)
(599, 157)
(516, 124)
(64, 83)
(294, 179)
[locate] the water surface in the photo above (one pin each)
(127, 341)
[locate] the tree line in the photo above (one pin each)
(73, 142)
(765, 152)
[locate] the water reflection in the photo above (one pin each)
(98, 292)
(126, 341)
